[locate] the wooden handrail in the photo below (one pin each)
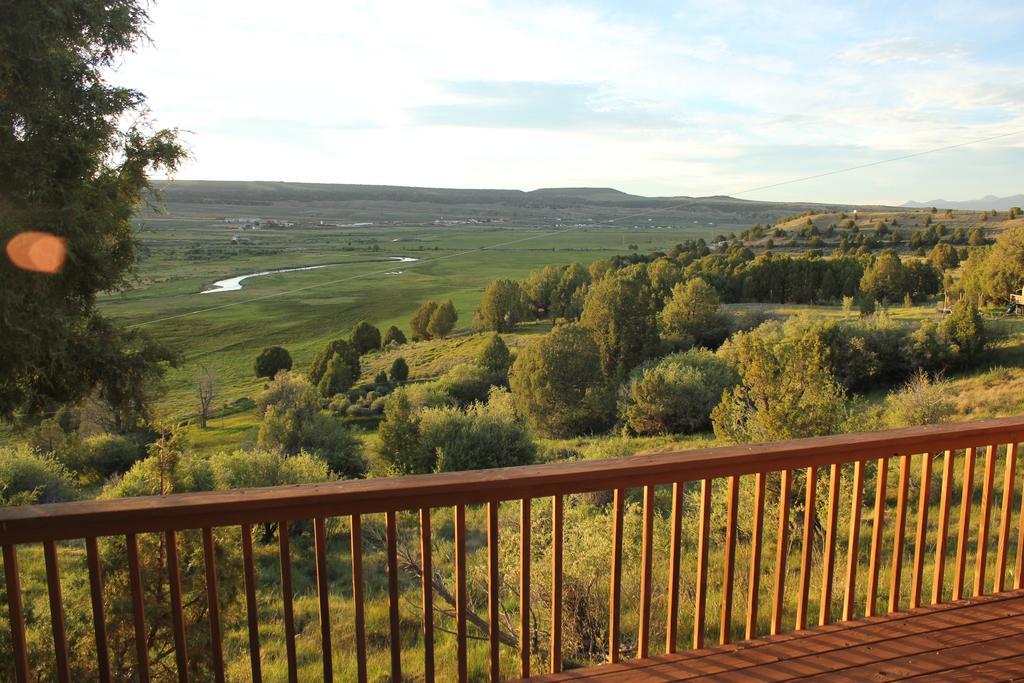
(169, 515)
(65, 521)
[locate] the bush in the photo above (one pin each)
(27, 478)
(466, 384)
(100, 457)
(347, 365)
(675, 394)
(399, 371)
(322, 435)
(393, 336)
(921, 401)
(965, 330)
(247, 469)
(495, 359)
(365, 337)
(692, 316)
(271, 361)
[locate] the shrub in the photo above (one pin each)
(558, 385)
(921, 401)
(261, 467)
(393, 336)
(495, 359)
(271, 361)
(365, 337)
(692, 316)
(399, 370)
(620, 312)
(347, 364)
(965, 330)
(27, 478)
(100, 457)
(466, 384)
(676, 393)
(317, 433)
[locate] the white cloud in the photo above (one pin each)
(902, 50)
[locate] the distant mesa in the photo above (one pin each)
(986, 203)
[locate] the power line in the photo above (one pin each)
(571, 229)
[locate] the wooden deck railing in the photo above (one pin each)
(169, 515)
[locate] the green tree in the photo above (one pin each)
(676, 393)
(965, 330)
(620, 313)
(273, 360)
(29, 478)
(1004, 265)
(338, 377)
(567, 299)
(885, 278)
(558, 385)
(347, 366)
(399, 370)
(692, 316)
(785, 392)
(442, 320)
(943, 256)
(495, 359)
(394, 336)
(421, 319)
(365, 337)
(75, 157)
(502, 306)
(401, 445)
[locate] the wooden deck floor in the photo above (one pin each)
(980, 639)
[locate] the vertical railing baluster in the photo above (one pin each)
(754, 582)
(899, 535)
(493, 584)
(60, 634)
(917, 575)
(251, 606)
(700, 599)
(781, 552)
(829, 560)
(358, 599)
(877, 534)
(525, 549)
(177, 610)
(288, 598)
(981, 561)
(461, 598)
(645, 573)
(615, 589)
(138, 609)
(811, 483)
(16, 613)
(213, 604)
(945, 499)
(964, 532)
(99, 615)
(1018, 568)
(672, 625)
(391, 540)
(729, 559)
(323, 594)
(556, 583)
(1006, 512)
(427, 590)
(853, 543)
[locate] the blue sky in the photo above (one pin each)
(657, 98)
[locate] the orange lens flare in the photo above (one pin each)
(39, 252)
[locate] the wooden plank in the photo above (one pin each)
(394, 619)
(460, 593)
(556, 584)
(781, 552)
(810, 486)
(729, 558)
(1005, 516)
(358, 597)
(966, 500)
(829, 561)
(251, 606)
(615, 588)
(1018, 573)
(899, 535)
(427, 590)
(754, 582)
(323, 594)
(288, 597)
(57, 625)
(493, 586)
(177, 611)
(877, 534)
(917, 580)
(675, 548)
(99, 616)
(525, 549)
(942, 533)
(981, 558)
(853, 542)
(700, 598)
(213, 604)
(37, 523)
(643, 644)
(15, 613)
(138, 610)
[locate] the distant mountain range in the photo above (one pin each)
(984, 204)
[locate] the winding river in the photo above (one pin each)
(233, 284)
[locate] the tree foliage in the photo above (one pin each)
(75, 154)
(335, 368)
(271, 361)
(365, 337)
(502, 306)
(394, 336)
(692, 316)
(621, 314)
(399, 370)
